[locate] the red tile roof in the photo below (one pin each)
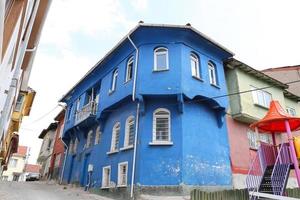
(32, 168)
(22, 151)
(285, 68)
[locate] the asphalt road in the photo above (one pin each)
(43, 191)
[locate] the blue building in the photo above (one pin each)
(144, 115)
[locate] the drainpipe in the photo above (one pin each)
(137, 117)
(134, 150)
(63, 169)
(135, 68)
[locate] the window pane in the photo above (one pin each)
(268, 99)
(260, 97)
(194, 66)
(161, 61)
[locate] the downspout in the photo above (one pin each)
(137, 117)
(63, 169)
(134, 150)
(135, 68)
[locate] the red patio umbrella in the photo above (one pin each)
(274, 120)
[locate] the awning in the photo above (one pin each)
(274, 120)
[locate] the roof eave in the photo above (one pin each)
(126, 37)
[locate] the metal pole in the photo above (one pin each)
(292, 151)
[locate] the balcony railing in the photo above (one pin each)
(86, 111)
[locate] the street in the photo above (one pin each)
(43, 191)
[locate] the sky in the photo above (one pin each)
(78, 33)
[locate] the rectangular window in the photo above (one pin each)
(70, 112)
(261, 97)
(291, 111)
(19, 103)
(106, 177)
(161, 126)
(256, 138)
(122, 174)
(13, 162)
(49, 144)
(57, 160)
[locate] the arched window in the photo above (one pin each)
(71, 146)
(98, 135)
(114, 80)
(129, 132)
(129, 70)
(115, 137)
(161, 126)
(195, 65)
(161, 60)
(212, 73)
(89, 139)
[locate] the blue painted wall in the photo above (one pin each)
(199, 154)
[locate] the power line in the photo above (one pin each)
(198, 100)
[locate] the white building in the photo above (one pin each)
(44, 159)
(15, 170)
(21, 22)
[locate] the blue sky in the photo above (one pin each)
(78, 33)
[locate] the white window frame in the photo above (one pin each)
(212, 72)
(129, 121)
(97, 135)
(291, 111)
(103, 177)
(157, 53)
(255, 93)
(13, 162)
(120, 165)
(75, 146)
(255, 139)
(129, 69)
(89, 139)
(114, 147)
(195, 72)
(71, 147)
(114, 80)
(155, 116)
(77, 107)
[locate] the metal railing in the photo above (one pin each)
(281, 169)
(265, 156)
(86, 111)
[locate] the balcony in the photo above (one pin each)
(87, 111)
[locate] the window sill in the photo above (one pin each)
(121, 186)
(110, 92)
(198, 78)
(127, 81)
(261, 106)
(216, 86)
(112, 152)
(105, 187)
(160, 70)
(160, 143)
(126, 148)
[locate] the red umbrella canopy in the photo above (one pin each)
(274, 120)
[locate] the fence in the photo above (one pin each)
(197, 194)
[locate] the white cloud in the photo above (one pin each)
(94, 18)
(139, 5)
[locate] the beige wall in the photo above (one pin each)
(18, 169)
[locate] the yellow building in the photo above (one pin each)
(22, 108)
